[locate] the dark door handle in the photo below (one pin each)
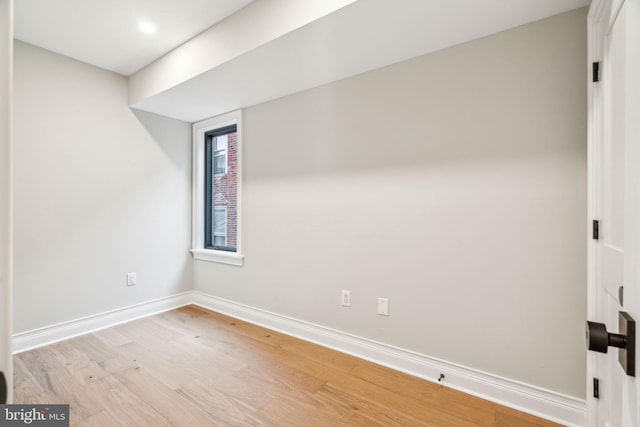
(3, 389)
(598, 339)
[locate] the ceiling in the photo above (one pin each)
(265, 56)
(106, 33)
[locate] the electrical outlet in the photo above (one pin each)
(132, 280)
(346, 298)
(383, 306)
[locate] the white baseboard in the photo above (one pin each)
(543, 403)
(48, 335)
(547, 404)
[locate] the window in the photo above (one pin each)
(216, 186)
(220, 188)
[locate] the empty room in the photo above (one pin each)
(319, 212)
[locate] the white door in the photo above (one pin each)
(614, 175)
(6, 54)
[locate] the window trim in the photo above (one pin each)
(198, 249)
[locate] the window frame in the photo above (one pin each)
(198, 249)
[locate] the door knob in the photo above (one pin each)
(598, 339)
(3, 389)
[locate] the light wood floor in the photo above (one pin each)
(192, 367)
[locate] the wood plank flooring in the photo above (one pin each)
(193, 367)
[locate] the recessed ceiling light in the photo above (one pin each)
(147, 27)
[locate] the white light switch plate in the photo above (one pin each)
(131, 279)
(346, 298)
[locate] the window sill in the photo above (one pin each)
(218, 256)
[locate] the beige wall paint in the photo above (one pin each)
(454, 184)
(99, 191)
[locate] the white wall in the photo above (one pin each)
(6, 61)
(99, 191)
(454, 184)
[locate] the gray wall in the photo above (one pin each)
(99, 192)
(454, 184)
